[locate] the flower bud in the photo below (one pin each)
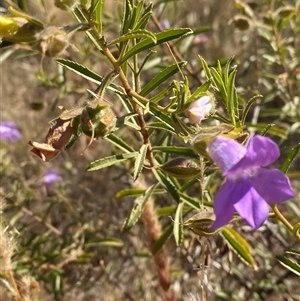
(201, 223)
(200, 108)
(99, 121)
(181, 168)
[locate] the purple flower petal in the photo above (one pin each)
(273, 185)
(225, 199)
(252, 208)
(51, 178)
(226, 152)
(9, 132)
(261, 151)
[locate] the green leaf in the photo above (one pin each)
(167, 184)
(205, 68)
(162, 77)
(238, 244)
(139, 162)
(96, 11)
(199, 92)
(274, 130)
(290, 157)
(135, 34)
(161, 116)
(161, 37)
(161, 126)
(248, 106)
(138, 208)
(290, 264)
(108, 242)
(120, 143)
(162, 239)
(177, 150)
(109, 161)
(129, 192)
(86, 73)
(178, 225)
(189, 201)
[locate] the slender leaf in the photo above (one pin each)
(183, 151)
(138, 208)
(161, 37)
(167, 184)
(238, 244)
(162, 239)
(108, 242)
(289, 264)
(199, 92)
(290, 157)
(162, 77)
(135, 34)
(248, 106)
(109, 161)
(129, 192)
(86, 73)
(139, 162)
(178, 225)
(120, 143)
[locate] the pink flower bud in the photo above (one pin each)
(199, 109)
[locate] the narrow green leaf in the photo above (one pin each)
(162, 77)
(248, 106)
(134, 192)
(274, 130)
(160, 126)
(166, 210)
(290, 264)
(142, 23)
(167, 184)
(178, 225)
(129, 192)
(238, 244)
(162, 239)
(290, 157)
(135, 34)
(108, 242)
(138, 208)
(96, 12)
(161, 116)
(199, 91)
(189, 201)
(86, 73)
(161, 37)
(177, 150)
(109, 161)
(205, 68)
(232, 107)
(139, 162)
(120, 143)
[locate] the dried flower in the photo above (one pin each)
(9, 132)
(51, 178)
(199, 109)
(249, 188)
(57, 138)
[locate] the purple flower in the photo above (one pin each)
(199, 109)
(51, 178)
(165, 24)
(9, 132)
(249, 188)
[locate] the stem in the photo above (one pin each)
(129, 91)
(284, 220)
